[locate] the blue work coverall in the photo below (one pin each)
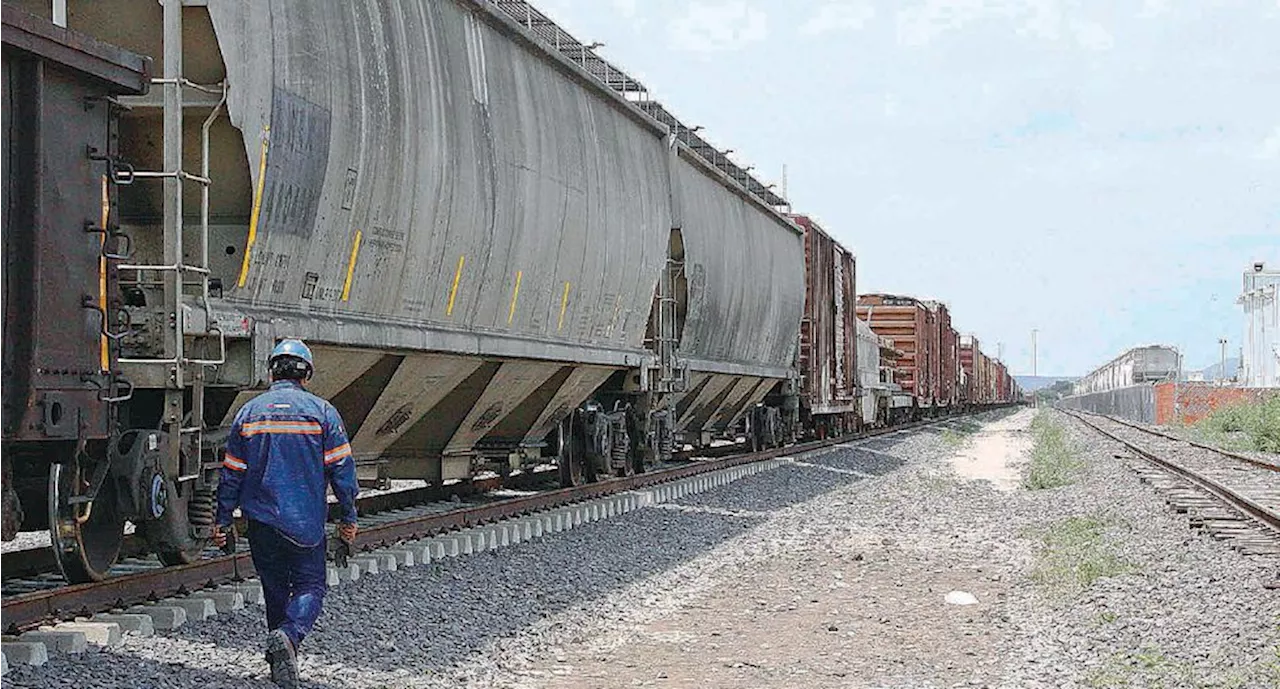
(285, 447)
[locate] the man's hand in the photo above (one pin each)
(219, 536)
(347, 532)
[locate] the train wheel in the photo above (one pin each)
(568, 459)
(171, 534)
(86, 536)
(179, 557)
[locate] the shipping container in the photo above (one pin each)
(828, 336)
(912, 328)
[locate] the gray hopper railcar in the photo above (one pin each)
(499, 259)
(502, 254)
(1149, 364)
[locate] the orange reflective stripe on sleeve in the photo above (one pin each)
(233, 462)
(337, 453)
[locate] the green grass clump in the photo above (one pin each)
(1074, 554)
(955, 434)
(1243, 427)
(1054, 461)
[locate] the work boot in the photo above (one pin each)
(282, 659)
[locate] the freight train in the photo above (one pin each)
(1136, 366)
(501, 251)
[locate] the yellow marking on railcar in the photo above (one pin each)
(257, 207)
(453, 293)
(564, 304)
(104, 354)
(515, 294)
(351, 267)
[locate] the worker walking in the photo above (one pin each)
(284, 448)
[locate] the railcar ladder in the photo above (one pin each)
(184, 372)
(672, 377)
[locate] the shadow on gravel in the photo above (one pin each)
(791, 484)
(106, 668)
(426, 619)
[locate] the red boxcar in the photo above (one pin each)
(912, 327)
(948, 369)
(1004, 384)
(969, 353)
(828, 335)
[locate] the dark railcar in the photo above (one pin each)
(829, 400)
(60, 325)
(947, 366)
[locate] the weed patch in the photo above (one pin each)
(1054, 461)
(956, 434)
(1242, 427)
(1074, 554)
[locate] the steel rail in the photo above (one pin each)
(1239, 502)
(26, 610)
(1194, 443)
(33, 562)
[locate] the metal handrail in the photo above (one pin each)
(165, 267)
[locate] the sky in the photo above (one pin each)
(1101, 171)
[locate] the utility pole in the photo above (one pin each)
(1034, 331)
(785, 198)
(1036, 399)
(1222, 366)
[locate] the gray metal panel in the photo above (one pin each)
(745, 267)
(1136, 403)
(446, 139)
(382, 335)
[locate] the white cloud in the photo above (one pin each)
(1270, 149)
(717, 26)
(1092, 36)
(920, 24)
(1048, 21)
(891, 107)
(1153, 8)
(1041, 18)
(838, 17)
(626, 8)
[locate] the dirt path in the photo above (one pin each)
(854, 605)
(997, 452)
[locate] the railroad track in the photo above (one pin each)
(385, 520)
(1233, 496)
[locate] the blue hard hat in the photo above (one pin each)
(293, 348)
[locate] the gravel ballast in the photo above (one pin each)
(828, 571)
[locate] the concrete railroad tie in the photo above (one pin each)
(34, 648)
